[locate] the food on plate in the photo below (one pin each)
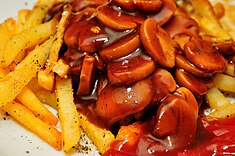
(139, 77)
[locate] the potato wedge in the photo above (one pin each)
(99, 136)
(27, 39)
(68, 114)
(15, 81)
(34, 124)
(225, 82)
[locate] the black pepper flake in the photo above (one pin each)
(27, 152)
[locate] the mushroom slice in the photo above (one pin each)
(112, 19)
(115, 102)
(191, 82)
(183, 63)
(158, 43)
(130, 70)
(121, 48)
(203, 55)
(176, 122)
(86, 75)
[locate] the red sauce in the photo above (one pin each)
(215, 137)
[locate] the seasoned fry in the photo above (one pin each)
(68, 114)
(46, 80)
(225, 82)
(100, 137)
(30, 100)
(7, 29)
(15, 81)
(223, 113)
(61, 68)
(27, 39)
(216, 99)
(38, 13)
(54, 53)
(37, 126)
(21, 19)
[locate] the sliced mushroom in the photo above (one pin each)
(203, 55)
(166, 12)
(158, 43)
(191, 82)
(189, 97)
(130, 70)
(148, 5)
(115, 102)
(182, 25)
(183, 63)
(114, 19)
(86, 75)
(176, 122)
(163, 83)
(120, 48)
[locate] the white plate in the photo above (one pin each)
(15, 140)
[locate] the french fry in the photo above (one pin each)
(68, 114)
(47, 97)
(230, 69)
(46, 80)
(27, 39)
(224, 112)
(34, 124)
(225, 82)
(99, 136)
(15, 81)
(38, 13)
(216, 99)
(7, 29)
(21, 19)
(54, 53)
(61, 68)
(30, 100)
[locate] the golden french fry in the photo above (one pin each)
(61, 68)
(230, 69)
(30, 100)
(99, 136)
(34, 124)
(21, 19)
(46, 80)
(27, 39)
(206, 19)
(216, 99)
(68, 114)
(225, 82)
(47, 97)
(54, 53)
(38, 13)
(15, 81)
(19, 27)
(224, 112)
(7, 29)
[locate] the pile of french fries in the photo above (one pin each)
(29, 59)
(29, 50)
